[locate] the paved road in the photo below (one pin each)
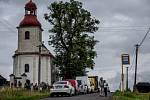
(94, 96)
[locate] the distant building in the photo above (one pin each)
(32, 61)
(3, 81)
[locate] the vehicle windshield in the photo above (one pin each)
(79, 82)
(62, 82)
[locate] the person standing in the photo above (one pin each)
(101, 84)
(105, 88)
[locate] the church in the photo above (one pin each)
(32, 61)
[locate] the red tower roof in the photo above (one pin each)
(30, 5)
(30, 18)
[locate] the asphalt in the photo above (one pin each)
(93, 96)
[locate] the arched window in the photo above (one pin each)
(26, 68)
(27, 35)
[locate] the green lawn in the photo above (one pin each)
(20, 94)
(131, 96)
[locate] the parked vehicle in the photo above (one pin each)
(84, 84)
(92, 88)
(74, 83)
(94, 83)
(62, 88)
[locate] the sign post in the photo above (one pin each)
(125, 59)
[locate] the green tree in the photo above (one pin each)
(71, 37)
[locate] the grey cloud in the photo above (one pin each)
(5, 1)
(144, 76)
(123, 24)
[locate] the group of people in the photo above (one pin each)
(104, 88)
(41, 86)
(31, 86)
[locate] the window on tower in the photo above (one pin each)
(27, 35)
(26, 68)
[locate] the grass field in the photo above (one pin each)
(131, 96)
(20, 94)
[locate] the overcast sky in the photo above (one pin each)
(123, 24)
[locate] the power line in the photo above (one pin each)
(144, 37)
(9, 24)
(120, 30)
(124, 26)
(10, 28)
(118, 27)
(136, 61)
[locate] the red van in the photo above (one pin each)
(74, 83)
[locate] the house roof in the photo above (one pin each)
(1, 77)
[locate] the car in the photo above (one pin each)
(84, 84)
(62, 88)
(83, 89)
(74, 83)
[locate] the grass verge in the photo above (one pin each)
(131, 96)
(20, 94)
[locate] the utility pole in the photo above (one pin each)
(127, 79)
(122, 77)
(39, 65)
(136, 61)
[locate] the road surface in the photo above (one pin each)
(94, 96)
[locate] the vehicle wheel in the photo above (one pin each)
(87, 91)
(51, 95)
(70, 94)
(74, 93)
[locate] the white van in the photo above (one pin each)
(84, 84)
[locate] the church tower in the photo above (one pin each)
(32, 59)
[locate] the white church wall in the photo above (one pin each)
(32, 60)
(15, 59)
(45, 70)
(35, 69)
(50, 73)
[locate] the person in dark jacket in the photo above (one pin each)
(105, 88)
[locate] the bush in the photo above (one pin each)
(117, 93)
(129, 94)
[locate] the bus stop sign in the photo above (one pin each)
(125, 59)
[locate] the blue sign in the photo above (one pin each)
(125, 59)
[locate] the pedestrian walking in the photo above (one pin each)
(101, 85)
(105, 88)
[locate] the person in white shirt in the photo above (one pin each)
(101, 84)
